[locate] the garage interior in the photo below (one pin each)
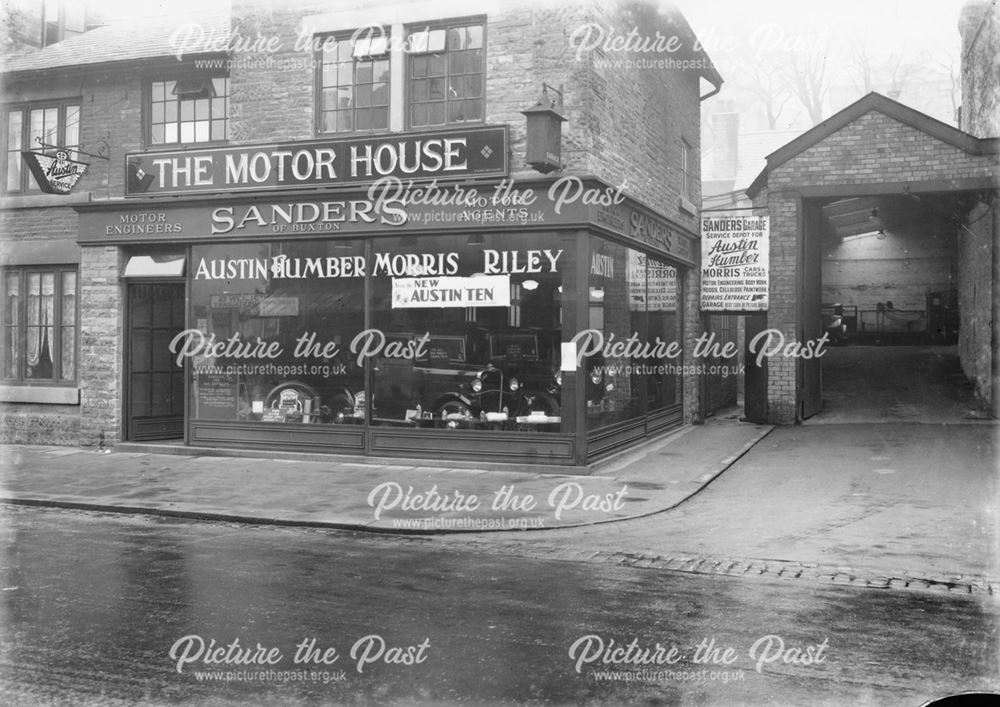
(891, 279)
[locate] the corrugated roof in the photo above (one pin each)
(132, 40)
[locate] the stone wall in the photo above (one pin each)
(979, 26)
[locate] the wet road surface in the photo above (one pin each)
(93, 605)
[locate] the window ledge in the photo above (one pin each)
(51, 395)
(34, 201)
(687, 206)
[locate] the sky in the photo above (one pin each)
(883, 27)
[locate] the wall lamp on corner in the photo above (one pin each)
(544, 132)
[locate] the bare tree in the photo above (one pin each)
(810, 81)
(764, 81)
(861, 65)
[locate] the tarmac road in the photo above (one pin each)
(893, 500)
(100, 610)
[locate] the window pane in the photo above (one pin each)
(218, 108)
(68, 298)
(170, 114)
(436, 40)
(156, 135)
(157, 113)
(380, 118)
(475, 37)
(436, 65)
(435, 114)
(12, 319)
(13, 171)
(201, 109)
(14, 125)
(364, 96)
(201, 131)
(187, 132)
(363, 72)
(218, 130)
(418, 114)
(67, 361)
(71, 132)
(380, 94)
(40, 329)
(418, 66)
(157, 91)
(436, 90)
(14, 122)
(187, 110)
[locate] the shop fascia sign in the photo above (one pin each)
(480, 152)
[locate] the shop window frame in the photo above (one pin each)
(56, 379)
(319, 86)
(26, 182)
(190, 79)
(408, 91)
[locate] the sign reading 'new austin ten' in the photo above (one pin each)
(454, 154)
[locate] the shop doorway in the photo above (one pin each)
(154, 384)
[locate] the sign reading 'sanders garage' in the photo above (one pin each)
(441, 155)
(734, 263)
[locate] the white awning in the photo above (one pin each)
(155, 266)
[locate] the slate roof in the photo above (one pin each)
(133, 40)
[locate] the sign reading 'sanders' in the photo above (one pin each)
(734, 263)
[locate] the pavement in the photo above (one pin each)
(399, 497)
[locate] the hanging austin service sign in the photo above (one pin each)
(480, 152)
(55, 173)
(734, 263)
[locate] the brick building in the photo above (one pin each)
(319, 230)
(920, 189)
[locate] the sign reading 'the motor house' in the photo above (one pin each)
(457, 154)
(734, 263)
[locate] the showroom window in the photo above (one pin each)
(632, 298)
(288, 312)
(475, 365)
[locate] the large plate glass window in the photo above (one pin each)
(466, 332)
(278, 320)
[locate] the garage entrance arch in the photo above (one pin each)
(878, 165)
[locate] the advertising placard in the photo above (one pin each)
(476, 291)
(734, 263)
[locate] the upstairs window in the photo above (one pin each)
(189, 110)
(688, 183)
(445, 74)
(354, 84)
(62, 19)
(53, 123)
